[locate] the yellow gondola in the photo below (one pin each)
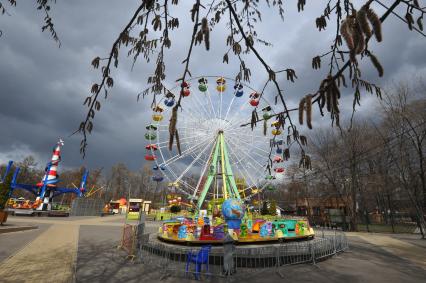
(157, 117)
(221, 84)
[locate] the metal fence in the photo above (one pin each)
(239, 261)
(86, 207)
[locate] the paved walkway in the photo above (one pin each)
(52, 255)
(403, 249)
(48, 258)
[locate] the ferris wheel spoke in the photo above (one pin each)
(248, 176)
(195, 115)
(181, 143)
(201, 160)
(211, 103)
(184, 153)
(193, 162)
(220, 106)
(238, 133)
(208, 114)
(239, 159)
(183, 182)
(239, 120)
(203, 172)
(230, 104)
(250, 144)
(238, 162)
(178, 127)
(179, 157)
(243, 152)
(185, 138)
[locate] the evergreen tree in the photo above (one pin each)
(273, 208)
(175, 209)
(264, 210)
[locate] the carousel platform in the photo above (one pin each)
(248, 240)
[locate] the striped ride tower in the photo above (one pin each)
(50, 178)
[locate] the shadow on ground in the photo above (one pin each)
(100, 261)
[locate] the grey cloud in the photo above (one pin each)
(43, 87)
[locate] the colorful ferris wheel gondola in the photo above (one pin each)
(157, 116)
(202, 85)
(185, 89)
(254, 99)
(276, 131)
(157, 178)
(267, 112)
(278, 159)
(279, 145)
(221, 84)
(150, 149)
(238, 87)
(150, 134)
(169, 100)
(269, 177)
(161, 167)
(270, 187)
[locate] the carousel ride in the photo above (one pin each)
(219, 167)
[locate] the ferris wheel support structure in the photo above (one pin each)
(219, 160)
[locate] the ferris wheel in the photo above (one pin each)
(217, 157)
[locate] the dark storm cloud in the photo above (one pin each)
(42, 87)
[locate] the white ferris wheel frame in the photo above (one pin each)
(241, 160)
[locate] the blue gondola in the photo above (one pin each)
(238, 90)
(169, 102)
(157, 178)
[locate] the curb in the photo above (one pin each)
(16, 229)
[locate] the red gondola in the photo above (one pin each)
(278, 159)
(151, 146)
(254, 99)
(185, 89)
(150, 157)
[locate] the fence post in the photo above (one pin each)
(334, 243)
(278, 260)
(228, 255)
(140, 229)
(312, 248)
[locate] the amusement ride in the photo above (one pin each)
(217, 165)
(47, 188)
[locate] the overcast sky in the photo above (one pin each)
(42, 87)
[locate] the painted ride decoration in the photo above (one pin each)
(219, 203)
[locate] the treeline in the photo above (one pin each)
(376, 165)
